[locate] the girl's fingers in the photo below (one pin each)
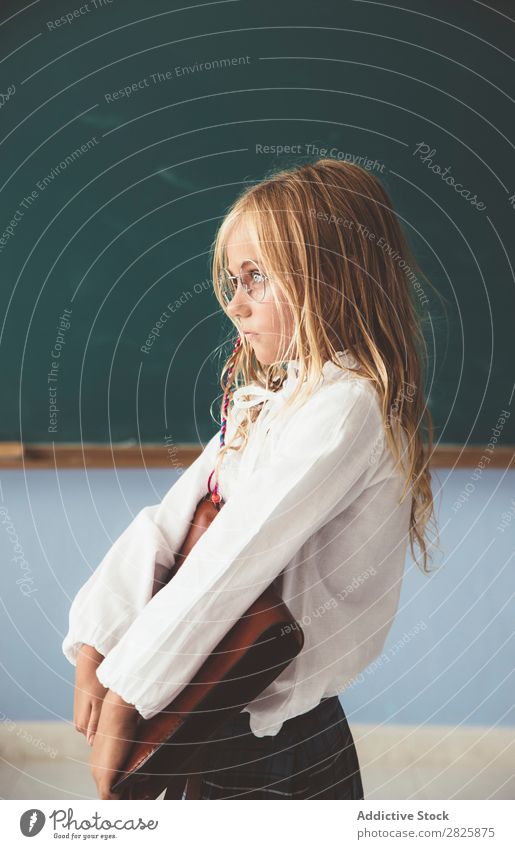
(104, 786)
(108, 795)
(81, 718)
(93, 722)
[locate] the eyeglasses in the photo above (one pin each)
(251, 278)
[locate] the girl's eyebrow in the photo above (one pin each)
(243, 263)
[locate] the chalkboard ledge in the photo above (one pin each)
(45, 455)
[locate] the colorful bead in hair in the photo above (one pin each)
(215, 495)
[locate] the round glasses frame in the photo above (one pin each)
(257, 294)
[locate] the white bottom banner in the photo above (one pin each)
(239, 823)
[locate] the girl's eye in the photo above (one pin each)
(252, 276)
(255, 283)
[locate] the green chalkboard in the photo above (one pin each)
(126, 132)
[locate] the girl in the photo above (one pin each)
(324, 474)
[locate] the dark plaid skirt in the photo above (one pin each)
(312, 757)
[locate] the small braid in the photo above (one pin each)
(229, 386)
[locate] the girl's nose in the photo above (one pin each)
(240, 304)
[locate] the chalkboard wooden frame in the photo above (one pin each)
(92, 455)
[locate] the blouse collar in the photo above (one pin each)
(257, 394)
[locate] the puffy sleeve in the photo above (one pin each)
(131, 571)
(321, 462)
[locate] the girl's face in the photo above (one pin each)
(259, 321)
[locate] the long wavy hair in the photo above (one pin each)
(330, 240)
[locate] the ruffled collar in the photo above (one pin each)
(257, 394)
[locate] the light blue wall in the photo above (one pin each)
(449, 656)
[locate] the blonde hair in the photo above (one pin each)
(329, 238)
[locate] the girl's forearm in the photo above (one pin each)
(117, 712)
(113, 741)
(90, 654)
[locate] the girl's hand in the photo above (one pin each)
(113, 741)
(89, 692)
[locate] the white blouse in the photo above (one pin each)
(311, 505)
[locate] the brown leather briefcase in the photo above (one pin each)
(168, 747)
